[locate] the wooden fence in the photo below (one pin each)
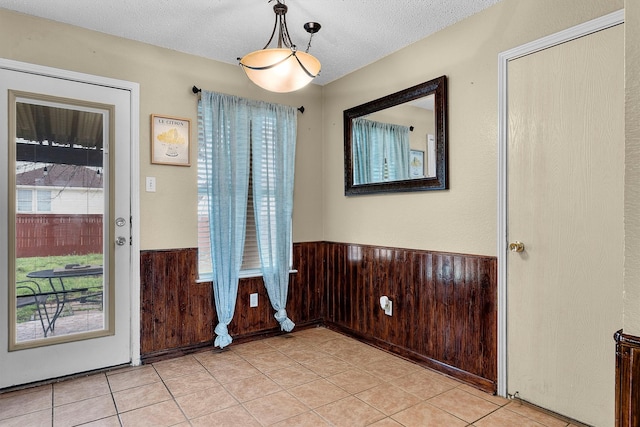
(58, 234)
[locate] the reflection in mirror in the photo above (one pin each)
(398, 142)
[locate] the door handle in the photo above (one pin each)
(120, 241)
(516, 246)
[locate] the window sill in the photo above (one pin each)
(248, 274)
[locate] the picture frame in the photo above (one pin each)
(170, 140)
(416, 164)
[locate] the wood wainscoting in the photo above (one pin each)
(178, 314)
(627, 380)
(444, 305)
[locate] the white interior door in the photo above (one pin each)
(66, 265)
(565, 158)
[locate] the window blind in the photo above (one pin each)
(251, 256)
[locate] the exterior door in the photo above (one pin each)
(66, 259)
(565, 183)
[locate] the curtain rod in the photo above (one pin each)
(196, 91)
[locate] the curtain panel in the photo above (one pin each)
(380, 151)
(229, 128)
(224, 148)
(273, 133)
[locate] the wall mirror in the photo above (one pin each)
(398, 142)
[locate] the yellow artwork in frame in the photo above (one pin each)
(170, 140)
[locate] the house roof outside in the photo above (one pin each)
(67, 176)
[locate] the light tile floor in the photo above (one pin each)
(312, 377)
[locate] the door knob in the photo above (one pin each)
(516, 246)
(120, 241)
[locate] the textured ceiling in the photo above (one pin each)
(354, 33)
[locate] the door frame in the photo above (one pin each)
(134, 90)
(581, 30)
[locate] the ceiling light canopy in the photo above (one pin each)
(283, 68)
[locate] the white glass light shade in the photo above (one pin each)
(287, 76)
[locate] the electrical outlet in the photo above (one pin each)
(253, 300)
(388, 310)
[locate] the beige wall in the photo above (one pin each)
(462, 219)
(168, 217)
(632, 170)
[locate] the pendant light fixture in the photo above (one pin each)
(283, 68)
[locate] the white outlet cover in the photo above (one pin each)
(389, 308)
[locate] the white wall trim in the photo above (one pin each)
(134, 89)
(572, 33)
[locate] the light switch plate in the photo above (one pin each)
(150, 184)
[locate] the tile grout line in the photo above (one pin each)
(113, 399)
(265, 374)
(52, 404)
(226, 390)
(173, 397)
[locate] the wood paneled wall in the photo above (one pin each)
(627, 380)
(444, 305)
(178, 314)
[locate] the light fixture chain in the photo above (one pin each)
(309, 44)
(284, 34)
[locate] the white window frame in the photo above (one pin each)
(40, 200)
(22, 203)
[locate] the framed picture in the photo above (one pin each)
(416, 164)
(170, 140)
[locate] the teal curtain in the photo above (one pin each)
(229, 127)
(224, 147)
(380, 151)
(273, 133)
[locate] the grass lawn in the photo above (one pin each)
(25, 266)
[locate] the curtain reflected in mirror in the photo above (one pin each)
(380, 151)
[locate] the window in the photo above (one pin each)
(230, 131)
(251, 257)
(25, 201)
(44, 200)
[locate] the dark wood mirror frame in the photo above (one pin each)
(437, 87)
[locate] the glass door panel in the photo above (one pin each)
(58, 221)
